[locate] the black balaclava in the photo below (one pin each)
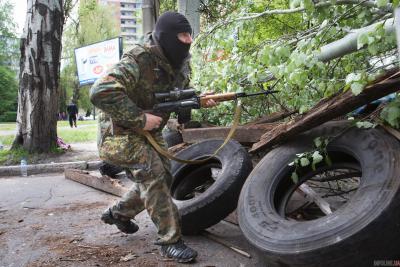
(166, 30)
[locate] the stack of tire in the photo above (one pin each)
(220, 198)
(364, 231)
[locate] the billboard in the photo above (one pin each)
(93, 60)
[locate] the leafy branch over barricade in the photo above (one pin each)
(307, 50)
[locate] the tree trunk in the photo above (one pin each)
(38, 94)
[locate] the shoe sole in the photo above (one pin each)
(106, 219)
(179, 260)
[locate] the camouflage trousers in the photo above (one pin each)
(151, 188)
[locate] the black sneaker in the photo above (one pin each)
(179, 252)
(110, 169)
(125, 226)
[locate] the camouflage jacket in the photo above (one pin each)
(128, 88)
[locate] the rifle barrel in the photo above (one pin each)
(254, 94)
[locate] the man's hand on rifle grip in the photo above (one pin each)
(152, 122)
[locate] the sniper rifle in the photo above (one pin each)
(183, 101)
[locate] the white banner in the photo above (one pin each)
(93, 60)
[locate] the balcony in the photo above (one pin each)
(132, 2)
(128, 8)
(130, 16)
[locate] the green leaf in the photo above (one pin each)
(317, 142)
(317, 157)
(373, 49)
(365, 124)
(391, 114)
(353, 77)
(303, 109)
(328, 160)
(283, 51)
(295, 177)
(356, 88)
(295, 3)
(323, 24)
(308, 5)
(362, 40)
(381, 3)
(371, 40)
(304, 162)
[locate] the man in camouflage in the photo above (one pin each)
(123, 94)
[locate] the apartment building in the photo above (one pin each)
(129, 16)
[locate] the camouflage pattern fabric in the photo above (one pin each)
(151, 190)
(124, 94)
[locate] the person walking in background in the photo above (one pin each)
(72, 111)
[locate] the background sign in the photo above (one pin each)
(93, 60)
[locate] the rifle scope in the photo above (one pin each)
(175, 95)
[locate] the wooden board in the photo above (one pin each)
(103, 183)
(243, 134)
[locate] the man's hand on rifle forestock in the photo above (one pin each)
(152, 122)
(210, 102)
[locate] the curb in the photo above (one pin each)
(15, 170)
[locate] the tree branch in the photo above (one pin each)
(366, 3)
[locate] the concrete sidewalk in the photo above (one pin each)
(46, 220)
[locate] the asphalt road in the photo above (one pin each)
(46, 220)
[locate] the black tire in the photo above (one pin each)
(172, 137)
(201, 199)
(109, 169)
(365, 229)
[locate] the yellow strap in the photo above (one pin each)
(170, 156)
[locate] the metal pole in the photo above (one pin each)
(397, 25)
(190, 8)
(150, 9)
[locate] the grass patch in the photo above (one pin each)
(13, 157)
(78, 123)
(7, 140)
(86, 132)
(7, 126)
(78, 135)
(11, 126)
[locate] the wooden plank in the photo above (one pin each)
(103, 183)
(232, 218)
(329, 109)
(318, 200)
(243, 134)
(217, 239)
(392, 131)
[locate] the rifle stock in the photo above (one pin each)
(217, 98)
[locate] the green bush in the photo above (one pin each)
(8, 116)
